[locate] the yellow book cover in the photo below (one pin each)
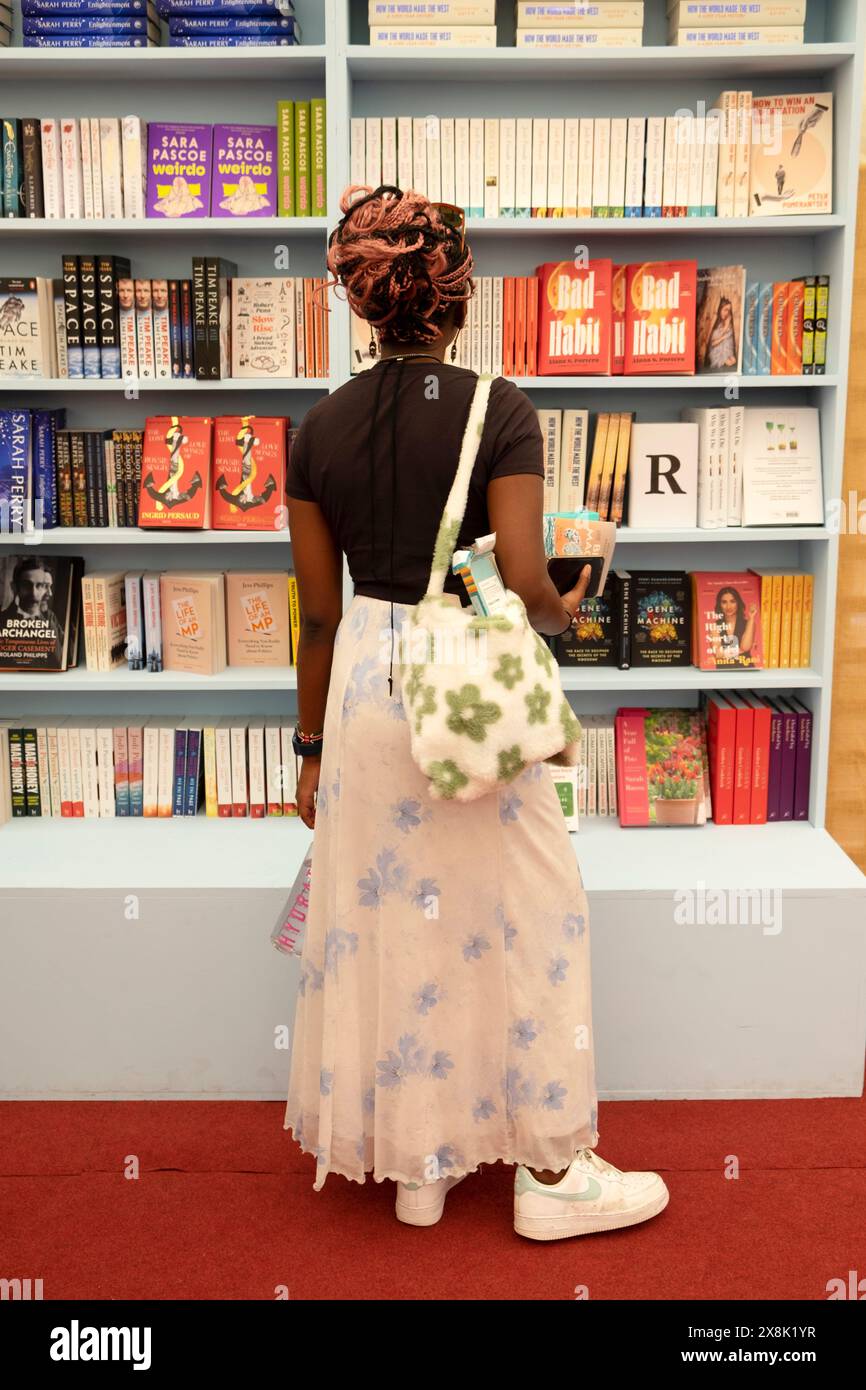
(806, 633)
(776, 621)
(208, 738)
(767, 615)
(622, 451)
(294, 617)
(606, 488)
(593, 487)
(796, 619)
(787, 610)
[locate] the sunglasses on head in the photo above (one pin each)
(454, 218)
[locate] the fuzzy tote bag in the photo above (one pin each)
(482, 694)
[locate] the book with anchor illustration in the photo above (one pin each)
(249, 487)
(175, 489)
(792, 155)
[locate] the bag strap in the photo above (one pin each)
(455, 505)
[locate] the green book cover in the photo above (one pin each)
(285, 158)
(318, 181)
(302, 159)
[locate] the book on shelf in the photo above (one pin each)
(660, 618)
(660, 318)
(726, 621)
(787, 603)
(176, 473)
(792, 155)
(719, 320)
(422, 13)
(661, 759)
(258, 631)
(193, 622)
(40, 608)
(244, 179)
(782, 474)
(249, 473)
(432, 36)
(663, 475)
(597, 637)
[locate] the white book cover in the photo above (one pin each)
(135, 651)
(539, 166)
(685, 134)
(128, 342)
(711, 14)
(404, 152)
(166, 729)
(476, 167)
(442, 36)
(586, 155)
(373, 151)
(491, 167)
(709, 463)
(606, 14)
(434, 160)
(736, 426)
(96, 169)
(695, 200)
(634, 167)
(578, 40)
(105, 770)
(727, 109)
(389, 150)
(572, 460)
(273, 768)
(461, 162)
(582, 777)
(446, 139)
(42, 771)
(70, 157)
(550, 423)
(782, 467)
(592, 770)
(655, 166)
(721, 500)
(300, 333)
(669, 175)
(112, 168)
(144, 344)
(663, 475)
(357, 150)
(710, 175)
(240, 789)
(419, 153)
(477, 324)
(150, 599)
(76, 784)
(256, 756)
(602, 768)
(86, 168)
(264, 333)
(523, 168)
(570, 162)
(618, 160)
(89, 770)
(486, 324)
(223, 758)
(64, 767)
(45, 301)
(52, 178)
(431, 12)
(507, 166)
(496, 351)
(743, 162)
(601, 167)
(53, 748)
(555, 166)
(60, 336)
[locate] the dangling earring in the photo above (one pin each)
(454, 348)
(372, 348)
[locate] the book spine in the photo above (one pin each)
(150, 772)
(809, 286)
(187, 332)
(120, 741)
(696, 166)
(289, 770)
(434, 159)
(405, 158)
(223, 760)
(710, 172)
(86, 167)
(212, 314)
(240, 790)
(685, 128)
(318, 158)
(166, 770)
(44, 476)
(89, 316)
(476, 167)
(178, 801)
(446, 139)
(105, 773)
(70, 161)
(357, 153)
(286, 158)
(52, 181)
(63, 464)
(193, 772)
(96, 169)
(626, 620)
(669, 168)
(175, 342)
(797, 620)
(79, 479)
(389, 150)
(273, 772)
(109, 269)
(302, 159)
(130, 196)
(111, 156)
(725, 200)
(743, 160)
(570, 165)
(743, 767)
(72, 316)
(789, 764)
(199, 320)
(655, 166)
(76, 781)
(11, 184)
(601, 167)
(256, 753)
(161, 315)
(53, 750)
(822, 315)
(31, 153)
(761, 736)
(491, 168)
(209, 759)
(721, 738)
(31, 772)
(803, 766)
(64, 764)
(152, 621)
(635, 159)
(135, 738)
(618, 165)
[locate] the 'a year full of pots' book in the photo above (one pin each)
(661, 767)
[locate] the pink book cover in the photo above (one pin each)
(660, 762)
(726, 621)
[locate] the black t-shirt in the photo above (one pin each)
(342, 459)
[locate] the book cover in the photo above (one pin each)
(721, 749)
(792, 154)
(761, 740)
(193, 621)
(263, 327)
(249, 473)
(660, 619)
(660, 764)
(244, 178)
(782, 481)
(803, 764)
(178, 169)
(719, 320)
(24, 349)
(595, 639)
(727, 621)
(660, 318)
(16, 471)
(257, 609)
(38, 611)
(663, 475)
(575, 328)
(176, 472)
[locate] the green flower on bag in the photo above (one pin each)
(469, 713)
(447, 778)
(543, 655)
(536, 704)
(445, 543)
(510, 763)
(497, 622)
(509, 671)
(426, 704)
(413, 683)
(570, 725)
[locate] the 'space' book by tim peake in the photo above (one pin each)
(660, 318)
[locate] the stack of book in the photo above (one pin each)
(758, 156)
(785, 327)
(432, 24)
(706, 23)
(71, 24)
(145, 766)
(580, 27)
(229, 23)
(760, 756)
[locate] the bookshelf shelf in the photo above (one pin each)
(676, 679)
(71, 536)
(680, 383)
(164, 65)
(635, 226)
(628, 535)
(80, 681)
(85, 385)
(251, 226)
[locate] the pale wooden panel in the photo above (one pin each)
(846, 809)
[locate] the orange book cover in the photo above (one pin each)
(778, 357)
(249, 488)
(508, 326)
(797, 620)
(575, 318)
(531, 326)
(520, 326)
(193, 622)
(309, 327)
(618, 288)
(326, 330)
(607, 472)
(794, 326)
(257, 616)
(593, 487)
(660, 307)
(806, 630)
(175, 487)
(319, 315)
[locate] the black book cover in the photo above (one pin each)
(218, 276)
(187, 340)
(89, 315)
(16, 773)
(595, 641)
(72, 316)
(31, 772)
(36, 611)
(97, 496)
(90, 477)
(79, 478)
(63, 472)
(110, 269)
(31, 152)
(661, 619)
(199, 320)
(174, 328)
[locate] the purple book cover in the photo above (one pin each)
(774, 788)
(803, 775)
(178, 170)
(789, 759)
(244, 180)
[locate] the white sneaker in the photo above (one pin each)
(423, 1204)
(592, 1196)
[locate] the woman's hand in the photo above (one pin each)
(308, 782)
(573, 598)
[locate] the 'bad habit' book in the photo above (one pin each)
(575, 333)
(660, 318)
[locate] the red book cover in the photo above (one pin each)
(175, 473)
(661, 767)
(726, 621)
(660, 306)
(618, 289)
(575, 319)
(249, 485)
(520, 325)
(531, 326)
(508, 326)
(721, 742)
(742, 759)
(761, 726)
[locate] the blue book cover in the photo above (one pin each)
(15, 471)
(229, 41)
(254, 8)
(750, 330)
(85, 41)
(180, 739)
(193, 771)
(230, 24)
(46, 423)
(124, 25)
(29, 8)
(765, 330)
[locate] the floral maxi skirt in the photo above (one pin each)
(443, 1016)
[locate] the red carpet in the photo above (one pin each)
(224, 1208)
